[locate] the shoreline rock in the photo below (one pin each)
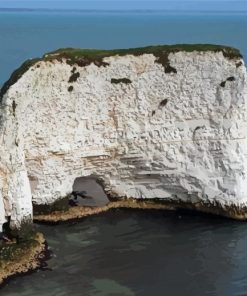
(79, 212)
(27, 258)
(35, 255)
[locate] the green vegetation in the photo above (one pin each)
(16, 75)
(121, 80)
(60, 205)
(14, 105)
(239, 64)
(23, 240)
(97, 55)
(84, 57)
(163, 103)
(231, 78)
(74, 77)
(25, 232)
(223, 83)
(70, 88)
(14, 251)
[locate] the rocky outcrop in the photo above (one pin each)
(27, 256)
(166, 123)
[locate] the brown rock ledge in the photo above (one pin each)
(79, 212)
(16, 259)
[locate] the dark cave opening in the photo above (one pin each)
(87, 191)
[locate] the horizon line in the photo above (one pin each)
(29, 9)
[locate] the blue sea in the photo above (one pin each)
(29, 34)
(124, 252)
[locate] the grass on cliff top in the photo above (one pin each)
(84, 57)
(74, 53)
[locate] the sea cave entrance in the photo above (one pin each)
(87, 191)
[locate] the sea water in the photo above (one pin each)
(25, 35)
(139, 252)
(124, 252)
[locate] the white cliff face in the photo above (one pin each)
(177, 136)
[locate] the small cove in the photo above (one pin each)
(137, 252)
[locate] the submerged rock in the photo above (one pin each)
(158, 123)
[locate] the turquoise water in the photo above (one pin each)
(27, 35)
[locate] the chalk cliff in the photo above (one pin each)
(165, 122)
